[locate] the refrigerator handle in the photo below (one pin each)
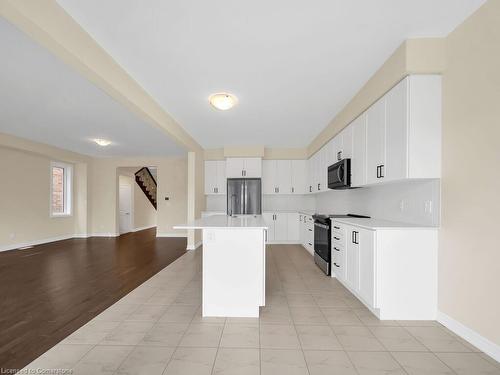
(245, 197)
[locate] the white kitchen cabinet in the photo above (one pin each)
(347, 138)
(352, 259)
(215, 177)
(397, 138)
(383, 267)
(244, 167)
(307, 239)
(365, 241)
(358, 158)
(281, 226)
(375, 141)
(404, 131)
(278, 226)
(299, 176)
(396, 132)
(323, 169)
(269, 176)
(283, 176)
(360, 274)
(310, 175)
(293, 227)
(269, 220)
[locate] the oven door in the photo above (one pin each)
(322, 241)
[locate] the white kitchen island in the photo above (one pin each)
(234, 264)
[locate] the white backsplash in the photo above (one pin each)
(407, 202)
(269, 202)
(288, 202)
(216, 203)
(381, 202)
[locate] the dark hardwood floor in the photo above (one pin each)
(51, 290)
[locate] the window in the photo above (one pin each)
(60, 189)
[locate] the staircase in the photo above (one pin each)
(147, 183)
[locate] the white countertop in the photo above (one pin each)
(379, 224)
(224, 221)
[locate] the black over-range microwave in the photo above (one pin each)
(339, 175)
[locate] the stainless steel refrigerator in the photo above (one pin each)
(244, 196)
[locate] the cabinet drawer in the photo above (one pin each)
(338, 228)
(338, 238)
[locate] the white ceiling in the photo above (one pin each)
(293, 64)
(44, 100)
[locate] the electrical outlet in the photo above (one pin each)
(428, 207)
(402, 205)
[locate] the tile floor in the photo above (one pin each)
(311, 325)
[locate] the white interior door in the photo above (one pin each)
(125, 201)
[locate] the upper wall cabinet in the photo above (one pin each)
(244, 167)
(215, 177)
(404, 131)
(299, 176)
(358, 152)
(283, 176)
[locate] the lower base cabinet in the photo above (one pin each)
(392, 271)
(307, 232)
(283, 227)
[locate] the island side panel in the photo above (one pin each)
(233, 272)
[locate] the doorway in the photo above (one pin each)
(125, 203)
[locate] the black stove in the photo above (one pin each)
(322, 239)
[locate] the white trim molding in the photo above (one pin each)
(468, 334)
(171, 234)
(35, 243)
(105, 234)
(144, 228)
(196, 245)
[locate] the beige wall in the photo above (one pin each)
(25, 201)
(265, 153)
(469, 261)
(103, 187)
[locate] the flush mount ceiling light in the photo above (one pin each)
(223, 101)
(102, 142)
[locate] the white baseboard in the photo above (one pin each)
(34, 243)
(170, 234)
(468, 334)
(105, 234)
(143, 228)
(196, 245)
(81, 235)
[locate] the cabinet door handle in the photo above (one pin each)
(378, 171)
(339, 155)
(336, 238)
(310, 244)
(336, 265)
(352, 237)
(382, 171)
(293, 190)
(334, 227)
(310, 189)
(310, 230)
(334, 248)
(319, 187)
(278, 189)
